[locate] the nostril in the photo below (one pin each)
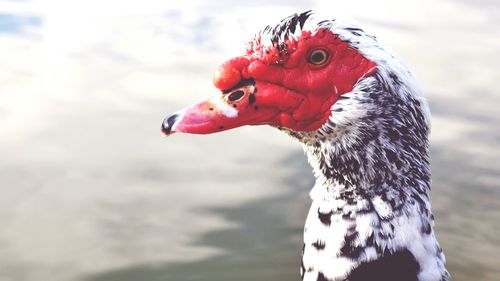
(168, 123)
(236, 95)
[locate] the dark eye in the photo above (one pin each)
(236, 95)
(318, 57)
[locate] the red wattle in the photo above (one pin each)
(229, 73)
(289, 89)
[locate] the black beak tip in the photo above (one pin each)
(168, 123)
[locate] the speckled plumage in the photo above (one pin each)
(371, 210)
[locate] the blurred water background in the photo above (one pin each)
(90, 191)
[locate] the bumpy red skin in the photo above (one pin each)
(290, 91)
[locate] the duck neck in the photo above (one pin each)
(371, 168)
(370, 206)
(371, 213)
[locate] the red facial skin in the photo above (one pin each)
(290, 91)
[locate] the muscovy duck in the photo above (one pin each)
(363, 123)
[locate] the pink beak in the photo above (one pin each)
(235, 108)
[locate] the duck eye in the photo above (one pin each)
(318, 57)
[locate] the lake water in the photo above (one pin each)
(92, 192)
